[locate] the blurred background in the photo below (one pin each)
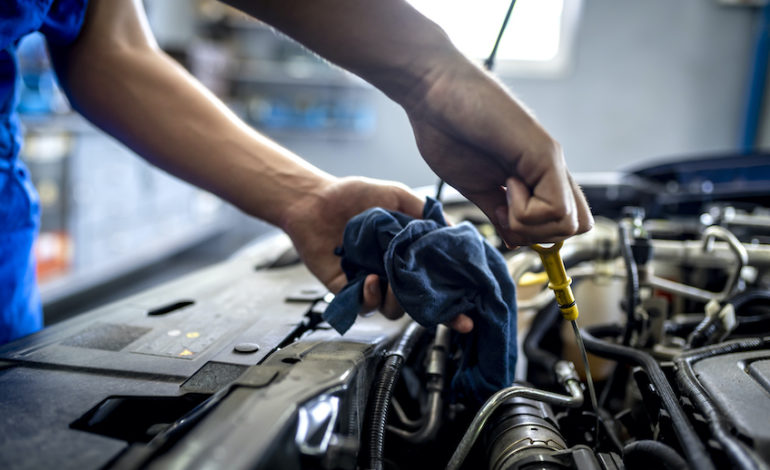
(619, 83)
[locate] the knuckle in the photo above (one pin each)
(560, 212)
(550, 150)
(586, 226)
(569, 226)
(556, 149)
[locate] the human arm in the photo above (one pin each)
(469, 128)
(118, 78)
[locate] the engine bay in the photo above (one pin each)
(233, 366)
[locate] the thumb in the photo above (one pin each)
(495, 206)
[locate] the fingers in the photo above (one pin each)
(390, 308)
(551, 200)
(461, 323)
(361, 193)
(373, 299)
(372, 294)
(543, 215)
(409, 203)
(585, 218)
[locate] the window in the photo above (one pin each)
(537, 41)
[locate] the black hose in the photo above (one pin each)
(738, 345)
(542, 322)
(693, 448)
(708, 331)
(632, 282)
(739, 455)
(641, 455)
(383, 392)
(747, 297)
(747, 324)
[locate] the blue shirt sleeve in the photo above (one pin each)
(64, 21)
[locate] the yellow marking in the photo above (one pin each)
(193, 334)
(186, 352)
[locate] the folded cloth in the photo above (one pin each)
(436, 272)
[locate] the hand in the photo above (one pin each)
(480, 140)
(317, 222)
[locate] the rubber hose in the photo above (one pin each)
(746, 323)
(641, 455)
(542, 322)
(382, 395)
(695, 451)
(738, 454)
(383, 392)
(707, 331)
(632, 283)
(749, 296)
(727, 347)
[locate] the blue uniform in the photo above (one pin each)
(60, 21)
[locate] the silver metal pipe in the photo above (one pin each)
(541, 299)
(741, 256)
(436, 368)
(752, 221)
(405, 420)
(430, 424)
(691, 253)
(567, 376)
(682, 289)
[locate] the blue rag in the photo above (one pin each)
(436, 272)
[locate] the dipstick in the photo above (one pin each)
(560, 283)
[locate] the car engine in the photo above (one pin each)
(234, 367)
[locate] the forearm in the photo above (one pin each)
(386, 42)
(469, 128)
(410, 58)
(136, 93)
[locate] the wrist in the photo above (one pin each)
(267, 181)
(427, 70)
(448, 82)
(299, 204)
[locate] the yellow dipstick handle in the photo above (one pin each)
(559, 281)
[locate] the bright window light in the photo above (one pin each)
(538, 31)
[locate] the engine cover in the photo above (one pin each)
(739, 384)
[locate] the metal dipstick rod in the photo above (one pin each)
(560, 283)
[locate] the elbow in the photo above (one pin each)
(91, 76)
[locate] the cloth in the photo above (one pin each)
(436, 272)
(60, 21)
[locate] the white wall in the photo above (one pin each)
(651, 79)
